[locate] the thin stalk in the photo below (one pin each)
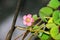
(39, 22)
(47, 17)
(9, 35)
(21, 28)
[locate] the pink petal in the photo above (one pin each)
(29, 15)
(29, 24)
(24, 22)
(24, 17)
(32, 20)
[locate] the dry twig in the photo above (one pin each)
(9, 35)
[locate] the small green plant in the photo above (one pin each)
(48, 26)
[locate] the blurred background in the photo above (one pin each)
(7, 9)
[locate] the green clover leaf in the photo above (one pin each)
(54, 4)
(50, 25)
(54, 31)
(45, 12)
(56, 17)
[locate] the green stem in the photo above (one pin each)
(22, 28)
(39, 22)
(47, 17)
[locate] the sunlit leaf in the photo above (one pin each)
(44, 37)
(42, 15)
(45, 12)
(56, 17)
(50, 20)
(54, 4)
(54, 32)
(57, 36)
(50, 25)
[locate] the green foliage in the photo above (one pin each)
(50, 20)
(35, 17)
(40, 34)
(54, 4)
(42, 16)
(45, 12)
(57, 37)
(50, 25)
(44, 37)
(54, 32)
(56, 17)
(42, 25)
(36, 27)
